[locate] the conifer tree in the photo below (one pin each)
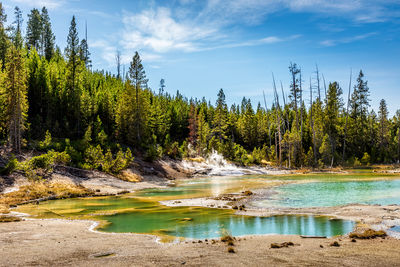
(47, 36)
(137, 77)
(34, 30)
(73, 69)
(331, 114)
(383, 139)
(17, 105)
(4, 42)
(219, 123)
(17, 35)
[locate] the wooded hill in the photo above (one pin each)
(91, 116)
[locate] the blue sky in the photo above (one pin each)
(201, 46)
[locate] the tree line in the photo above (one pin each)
(54, 95)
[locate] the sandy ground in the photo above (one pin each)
(71, 243)
(33, 242)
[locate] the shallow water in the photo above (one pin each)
(334, 193)
(127, 214)
(141, 212)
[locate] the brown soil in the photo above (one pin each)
(61, 243)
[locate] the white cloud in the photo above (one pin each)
(159, 31)
(347, 40)
(254, 11)
(49, 4)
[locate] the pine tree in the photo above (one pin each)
(384, 136)
(219, 123)
(295, 89)
(359, 104)
(47, 36)
(73, 69)
(34, 30)
(4, 42)
(84, 53)
(16, 97)
(137, 77)
(17, 35)
(192, 125)
(331, 121)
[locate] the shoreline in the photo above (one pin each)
(23, 244)
(25, 240)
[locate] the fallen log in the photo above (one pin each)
(312, 236)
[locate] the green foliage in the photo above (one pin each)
(94, 111)
(365, 160)
(46, 143)
(10, 167)
(41, 166)
(356, 162)
(95, 159)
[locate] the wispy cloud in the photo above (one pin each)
(347, 39)
(160, 32)
(254, 11)
(192, 26)
(49, 4)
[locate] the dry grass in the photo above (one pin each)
(129, 176)
(4, 209)
(5, 218)
(334, 244)
(198, 159)
(247, 193)
(227, 238)
(368, 234)
(42, 190)
(231, 250)
(282, 245)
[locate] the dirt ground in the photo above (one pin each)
(71, 243)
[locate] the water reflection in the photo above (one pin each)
(326, 194)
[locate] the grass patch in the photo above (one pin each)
(334, 244)
(129, 176)
(282, 245)
(5, 218)
(231, 250)
(247, 193)
(4, 209)
(41, 190)
(227, 238)
(368, 234)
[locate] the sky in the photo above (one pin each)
(201, 46)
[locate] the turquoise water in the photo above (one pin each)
(334, 193)
(396, 228)
(141, 212)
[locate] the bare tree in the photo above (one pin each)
(347, 115)
(312, 123)
(278, 115)
(118, 61)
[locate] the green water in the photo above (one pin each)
(334, 193)
(129, 214)
(141, 212)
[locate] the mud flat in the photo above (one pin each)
(59, 242)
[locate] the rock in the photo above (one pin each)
(334, 244)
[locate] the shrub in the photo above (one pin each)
(10, 167)
(95, 159)
(231, 250)
(41, 166)
(356, 162)
(46, 143)
(368, 234)
(365, 160)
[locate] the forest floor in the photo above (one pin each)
(53, 242)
